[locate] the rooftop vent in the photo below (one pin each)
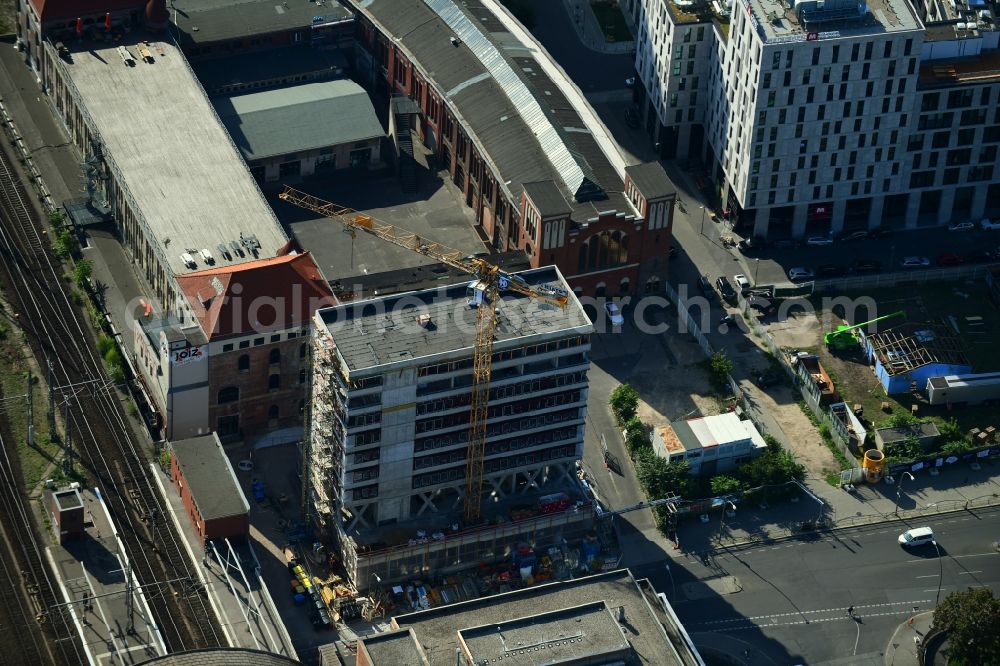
(188, 260)
(455, 41)
(423, 320)
(206, 254)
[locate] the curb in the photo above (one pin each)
(836, 528)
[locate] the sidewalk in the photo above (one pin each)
(589, 30)
(955, 488)
(902, 649)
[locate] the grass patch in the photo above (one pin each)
(609, 17)
(34, 459)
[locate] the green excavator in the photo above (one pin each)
(844, 339)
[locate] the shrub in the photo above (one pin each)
(65, 244)
(720, 367)
(636, 436)
(82, 272)
(725, 485)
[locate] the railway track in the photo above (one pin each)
(102, 440)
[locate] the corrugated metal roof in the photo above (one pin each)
(512, 86)
(299, 118)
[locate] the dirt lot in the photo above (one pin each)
(855, 379)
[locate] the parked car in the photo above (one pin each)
(915, 262)
(814, 241)
(949, 259)
(961, 226)
(989, 226)
(706, 287)
(742, 283)
(748, 245)
(866, 266)
(830, 270)
(726, 289)
(918, 536)
(854, 235)
(766, 378)
(799, 274)
(614, 314)
(880, 232)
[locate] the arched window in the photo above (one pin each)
(274, 382)
(244, 363)
(228, 394)
(272, 412)
(623, 286)
(581, 266)
(274, 356)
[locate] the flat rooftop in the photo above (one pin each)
(557, 636)
(777, 22)
(68, 499)
(380, 332)
(528, 128)
(210, 477)
(394, 648)
(648, 622)
(175, 157)
(205, 21)
(92, 570)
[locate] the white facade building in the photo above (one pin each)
(836, 116)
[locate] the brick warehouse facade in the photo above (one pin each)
(604, 240)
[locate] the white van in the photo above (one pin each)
(916, 537)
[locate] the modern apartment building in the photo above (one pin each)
(390, 413)
(836, 116)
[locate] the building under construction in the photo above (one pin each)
(389, 434)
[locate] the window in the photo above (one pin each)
(258, 342)
(244, 363)
(228, 426)
(272, 413)
(950, 176)
(227, 347)
(907, 47)
(887, 52)
(940, 139)
(966, 137)
(228, 394)
(921, 179)
(274, 382)
(302, 351)
(244, 344)
(855, 50)
(929, 101)
(274, 356)
(276, 338)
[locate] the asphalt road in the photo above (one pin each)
(930, 243)
(789, 600)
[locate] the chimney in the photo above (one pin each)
(157, 15)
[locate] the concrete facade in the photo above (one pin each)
(829, 119)
(390, 406)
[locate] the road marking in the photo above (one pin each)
(839, 611)
(954, 557)
(968, 572)
(839, 617)
(928, 576)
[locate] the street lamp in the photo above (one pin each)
(899, 490)
(937, 599)
(702, 220)
(722, 521)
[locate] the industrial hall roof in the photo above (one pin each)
(205, 21)
(210, 477)
(527, 128)
(222, 657)
(421, 325)
(579, 619)
(256, 297)
(169, 154)
(300, 118)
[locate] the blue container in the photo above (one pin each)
(299, 599)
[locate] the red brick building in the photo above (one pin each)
(256, 317)
(207, 485)
(523, 156)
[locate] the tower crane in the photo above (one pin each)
(490, 282)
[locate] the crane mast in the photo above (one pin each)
(493, 282)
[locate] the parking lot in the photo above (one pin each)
(770, 264)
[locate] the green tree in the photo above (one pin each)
(772, 442)
(770, 468)
(636, 436)
(660, 478)
(82, 272)
(720, 368)
(972, 620)
(57, 218)
(624, 402)
(65, 244)
(725, 485)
